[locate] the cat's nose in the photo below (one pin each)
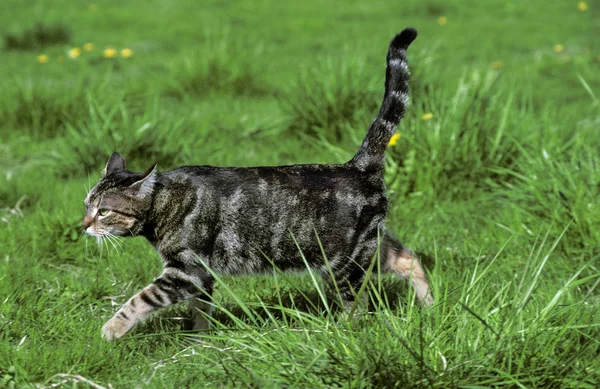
(87, 221)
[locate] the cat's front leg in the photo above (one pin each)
(133, 311)
(173, 286)
(117, 326)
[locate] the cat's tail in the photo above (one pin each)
(395, 99)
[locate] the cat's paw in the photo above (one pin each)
(115, 328)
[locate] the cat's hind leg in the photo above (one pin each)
(403, 262)
(201, 309)
(345, 278)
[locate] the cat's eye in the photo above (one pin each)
(103, 211)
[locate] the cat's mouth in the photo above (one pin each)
(104, 234)
(95, 234)
(104, 238)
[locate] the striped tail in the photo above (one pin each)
(370, 155)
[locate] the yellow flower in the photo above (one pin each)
(394, 139)
(427, 116)
(42, 58)
(74, 52)
(496, 64)
(110, 52)
(126, 53)
(88, 46)
(582, 6)
(558, 48)
(442, 20)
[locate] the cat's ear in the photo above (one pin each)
(115, 163)
(145, 185)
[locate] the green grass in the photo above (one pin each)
(497, 192)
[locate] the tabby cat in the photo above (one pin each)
(247, 220)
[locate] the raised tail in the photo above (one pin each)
(395, 99)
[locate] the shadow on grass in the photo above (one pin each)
(39, 36)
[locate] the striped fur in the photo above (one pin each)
(370, 155)
(229, 220)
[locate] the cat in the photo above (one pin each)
(237, 221)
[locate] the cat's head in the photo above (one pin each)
(119, 203)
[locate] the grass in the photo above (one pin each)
(497, 189)
(330, 101)
(40, 36)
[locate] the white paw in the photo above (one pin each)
(115, 328)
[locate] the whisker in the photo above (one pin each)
(114, 237)
(100, 240)
(106, 241)
(118, 243)
(113, 241)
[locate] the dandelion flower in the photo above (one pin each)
(88, 46)
(74, 52)
(427, 116)
(126, 53)
(558, 48)
(496, 64)
(582, 6)
(442, 20)
(42, 58)
(110, 52)
(394, 139)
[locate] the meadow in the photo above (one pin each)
(494, 182)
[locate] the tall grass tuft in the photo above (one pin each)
(221, 64)
(559, 189)
(145, 137)
(41, 109)
(330, 101)
(453, 144)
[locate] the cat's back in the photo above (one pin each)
(309, 177)
(266, 194)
